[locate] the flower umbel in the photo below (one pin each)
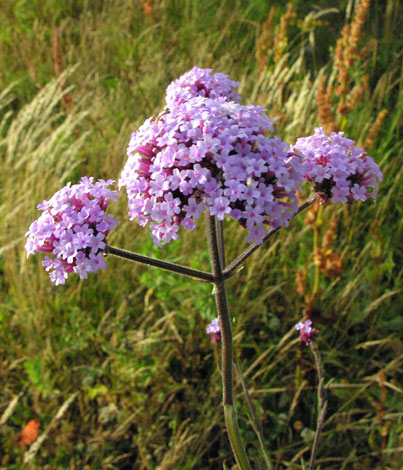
(201, 82)
(214, 155)
(73, 227)
(214, 329)
(307, 333)
(338, 169)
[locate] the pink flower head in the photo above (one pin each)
(338, 169)
(307, 333)
(214, 329)
(210, 155)
(201, 82)
(73, 227)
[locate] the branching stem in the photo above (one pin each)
(176, 268)
(231, 268)
(215, 239)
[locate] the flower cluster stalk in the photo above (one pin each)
(176, 268)
(215, 239)
(231, 268)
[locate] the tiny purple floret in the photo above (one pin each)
(214, 329)
(204, 83)
(307, 333)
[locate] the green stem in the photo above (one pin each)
(235, 438)
(176, 268)
(322, 405)
(343, 123)
(317, 271)
(316, 230)
(226, 339)
(220, 240)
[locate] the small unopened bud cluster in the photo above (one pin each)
(73, 228)
(307, 333)
(214, 329)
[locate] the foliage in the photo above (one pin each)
(128, 346)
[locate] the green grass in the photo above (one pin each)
(128, 345)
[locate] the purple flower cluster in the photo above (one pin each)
(214, 329)
(307, 333)
(210, 154)
(201, 82)
(73, 227)
(338, 169)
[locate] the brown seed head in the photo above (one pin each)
(331, 234)
(331, 265)
(374, 129)
(300, 281)
(264, 42)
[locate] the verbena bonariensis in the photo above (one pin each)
(206, 152)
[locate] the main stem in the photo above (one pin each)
(216, 255)
(222, 309)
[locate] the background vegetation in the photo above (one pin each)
(118, 369)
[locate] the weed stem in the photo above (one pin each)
(322, 405)
(316, 250)
(256, 423)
